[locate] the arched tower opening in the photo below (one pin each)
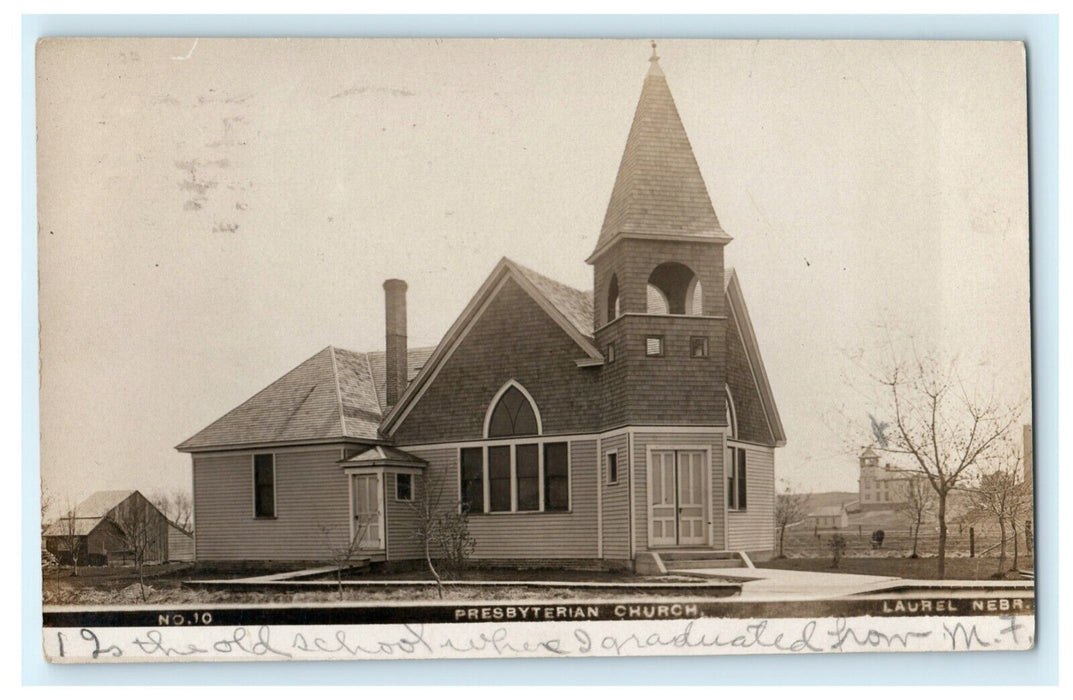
(673, 288)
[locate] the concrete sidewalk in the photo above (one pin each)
(782, 584)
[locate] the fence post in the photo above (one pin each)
(972, 542)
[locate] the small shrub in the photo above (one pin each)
(837, 545)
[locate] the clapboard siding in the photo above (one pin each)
(568, 535)
(616, 500)
(641, 443)
(754, 528)
(311, 497)
(180, 545)
(402, 519)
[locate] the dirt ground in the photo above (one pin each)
(963, 568)
(163, 585)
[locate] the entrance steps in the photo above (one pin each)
(662, 561)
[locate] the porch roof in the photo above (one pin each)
(384, 456)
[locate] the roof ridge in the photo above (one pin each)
(338, 391)
(372, 380)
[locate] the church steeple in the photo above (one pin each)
(659, 192)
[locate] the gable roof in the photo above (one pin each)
(99, 503)
(740, 315)
(82, 527)
(659, 191)
(333, 396)
(570, 308)
(89, 513)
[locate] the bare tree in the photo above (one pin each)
(140, 535)
(177, 506)
(47, 499)
(69, 537)
(790, 508)
(1002, 495)
(943, 424)
(343, 555)
(442, 528)
(918, 502)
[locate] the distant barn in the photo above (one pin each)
(96, 528)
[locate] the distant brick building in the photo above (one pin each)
(581, 425)
(882, 487)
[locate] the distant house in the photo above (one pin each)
(828, 518)
(96, 529)
(180, 543)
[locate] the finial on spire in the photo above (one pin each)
(655, 57)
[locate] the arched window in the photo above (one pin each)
(732, 415)
(614, 304)
(513, 413)
(673, 289)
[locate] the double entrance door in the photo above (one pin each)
(677, 503)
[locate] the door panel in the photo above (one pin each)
(662, 526)
(677, 498)
(367, 511)
(691, 502)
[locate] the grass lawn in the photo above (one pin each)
(964, 568)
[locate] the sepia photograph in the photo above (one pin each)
(461, 348)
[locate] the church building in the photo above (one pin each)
(624, 423)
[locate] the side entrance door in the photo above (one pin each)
(368, 511)
(677, 498)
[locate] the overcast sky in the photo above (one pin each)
(213, 214)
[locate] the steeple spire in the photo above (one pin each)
(659, 191)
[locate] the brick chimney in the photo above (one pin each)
(395, 328)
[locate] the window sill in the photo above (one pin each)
(500, 513)
(266, 517)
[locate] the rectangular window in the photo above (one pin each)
(737, 481)
(514, 478)
(499, 496)
(527, 468)
(264, 486)
(612, 467)
(610, 353)
(654, 346)
(556, 476)
(742, 480)
(473, 479)
(698, 346)
(404, 487)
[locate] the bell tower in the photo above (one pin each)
(658, 276)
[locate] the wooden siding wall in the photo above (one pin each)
(137, 509)
(569, 535)
(753, 529)
(616, 500)
(401, 518)
(180, 545)
(641, 442)
(311, 492)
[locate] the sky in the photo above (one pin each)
(213, 212)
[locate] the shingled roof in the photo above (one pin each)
(659, 190)
(574, 304)
(334, 395)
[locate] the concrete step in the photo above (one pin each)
(694, 554)
(679, 564)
